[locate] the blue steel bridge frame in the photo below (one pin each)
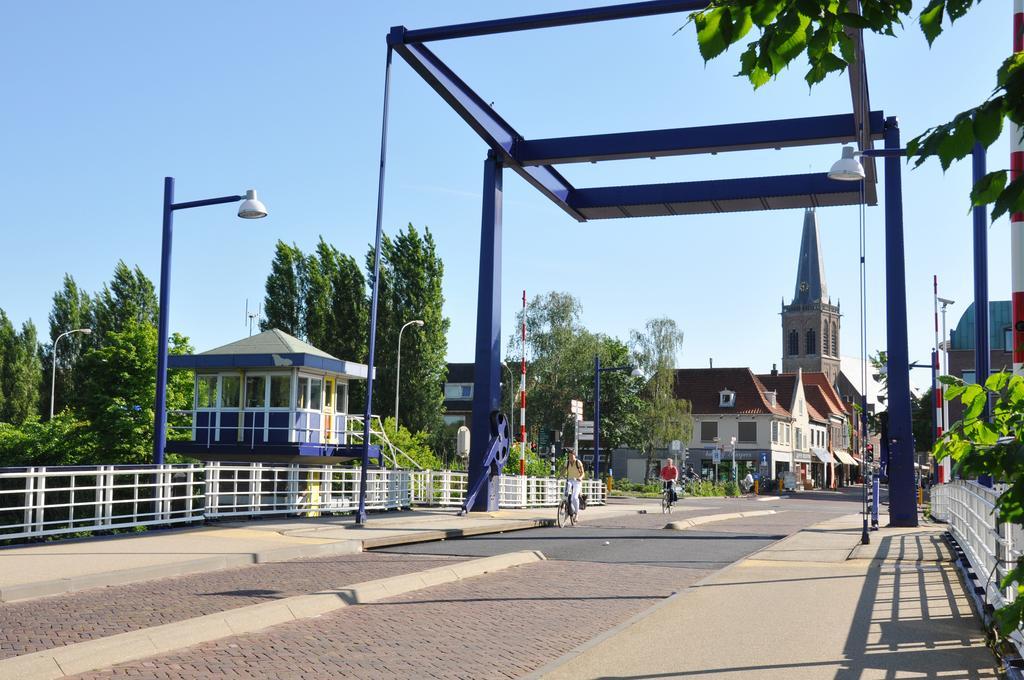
(535, 160)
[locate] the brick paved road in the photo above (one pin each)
(494, 626)
(65, 619)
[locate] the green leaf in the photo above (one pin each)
(851, 20)
(954, 391)
(997, 381)
(988, 121)
(758, 77)
(791, 39)
(988, 188)
(958, 144)
(957, 8)
(741, 23)
(1010, 199)
(763, 12)
(710, 38)
(975, 398)
(950, 380)
(827, 64)
(931, 20)
(846, 48)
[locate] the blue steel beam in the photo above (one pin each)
(769, 134)
(713, 196)
(485, 121)
(553, 19)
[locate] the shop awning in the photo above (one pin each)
(823, 455)
(844, 457)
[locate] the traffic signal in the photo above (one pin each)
(871, 453)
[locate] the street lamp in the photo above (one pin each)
(944, 348)
(634, 372)
(398, 368)
(53, 378)
(250, 208)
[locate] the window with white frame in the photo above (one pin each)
(775, 432)
(726, 398)
(255, 391)
(230, 391)
(280, 391)
(206, 391)
(458, 391)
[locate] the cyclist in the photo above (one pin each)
(574, 474)
(669, 475)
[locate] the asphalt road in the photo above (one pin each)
(641, 539)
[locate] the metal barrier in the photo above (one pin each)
(992, 547)
(50, 501)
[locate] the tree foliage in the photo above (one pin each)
(411, 275)
(664, 416)
(20, 371)
(824, 31)
(72, 308)
(282, 305)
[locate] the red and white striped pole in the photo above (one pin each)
(522, 397)
(1017, 219)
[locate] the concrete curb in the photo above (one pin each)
(204, 564)
(105, 652)
(684, 524)
(445, 534)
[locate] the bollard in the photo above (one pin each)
(756, 486)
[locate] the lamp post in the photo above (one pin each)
(251, 208)
(398, 368)
(944, 348)
(53, 377)
(598, 370)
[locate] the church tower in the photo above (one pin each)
(810, 324)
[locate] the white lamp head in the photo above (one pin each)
(847, 168)
(87, 331)
(637, 373)
(417, 322)
(251, 208)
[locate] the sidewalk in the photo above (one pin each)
(814, 605)
(68, 566)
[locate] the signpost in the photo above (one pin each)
(716, 458)
(576, 409)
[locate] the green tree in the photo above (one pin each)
(64, 440)
(663, 417)
(560, 355)
(129, 299)
(411, 276)
(922, 412)
(72, 308)
(827, 32)
(283, 302)
(120, 387)
(20, 371)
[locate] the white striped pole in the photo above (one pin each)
(522, 398)
(1017, 219)
(936, 385)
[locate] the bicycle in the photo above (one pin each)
(565, 509)
(666, 498)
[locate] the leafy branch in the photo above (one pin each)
(824, 31)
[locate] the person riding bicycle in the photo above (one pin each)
(574, 474)
(691, 474)
(747, 483)
(669, 475)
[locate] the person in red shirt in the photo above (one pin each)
(669, 475)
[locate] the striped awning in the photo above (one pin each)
(844, 457)
(823, 455)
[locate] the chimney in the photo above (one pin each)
(775, 370)
(711, 364)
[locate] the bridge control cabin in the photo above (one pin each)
(270, 398)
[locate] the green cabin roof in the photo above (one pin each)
(999, 319)
(274, 341)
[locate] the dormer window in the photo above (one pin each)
(726, 399)
(772, 397)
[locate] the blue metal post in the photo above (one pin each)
(597, 417)
(361, 515)
(874, 501)
(902, 491)
(982, 339)
(160, 408)
(487, 375)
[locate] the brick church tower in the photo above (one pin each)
(810, 324)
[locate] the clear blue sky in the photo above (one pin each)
(102, 100)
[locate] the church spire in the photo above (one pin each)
(810, 274)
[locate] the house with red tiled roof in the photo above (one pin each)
(737, 415)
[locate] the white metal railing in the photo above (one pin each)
(62, 500)
(992, 547)
(49, 501)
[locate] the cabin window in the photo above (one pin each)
(255, 391)
(315, 393)
(303, 393)
(280, 391)
(206, 391)
(230, 391)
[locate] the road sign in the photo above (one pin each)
(716, 456)
(585, 429)
(764, 459)
(576, 408)
(675, 446)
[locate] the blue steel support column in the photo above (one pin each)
(902, 491)
(361, 515)
(160, 409)
(487, 375)
(982, 340)
(597, 418)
